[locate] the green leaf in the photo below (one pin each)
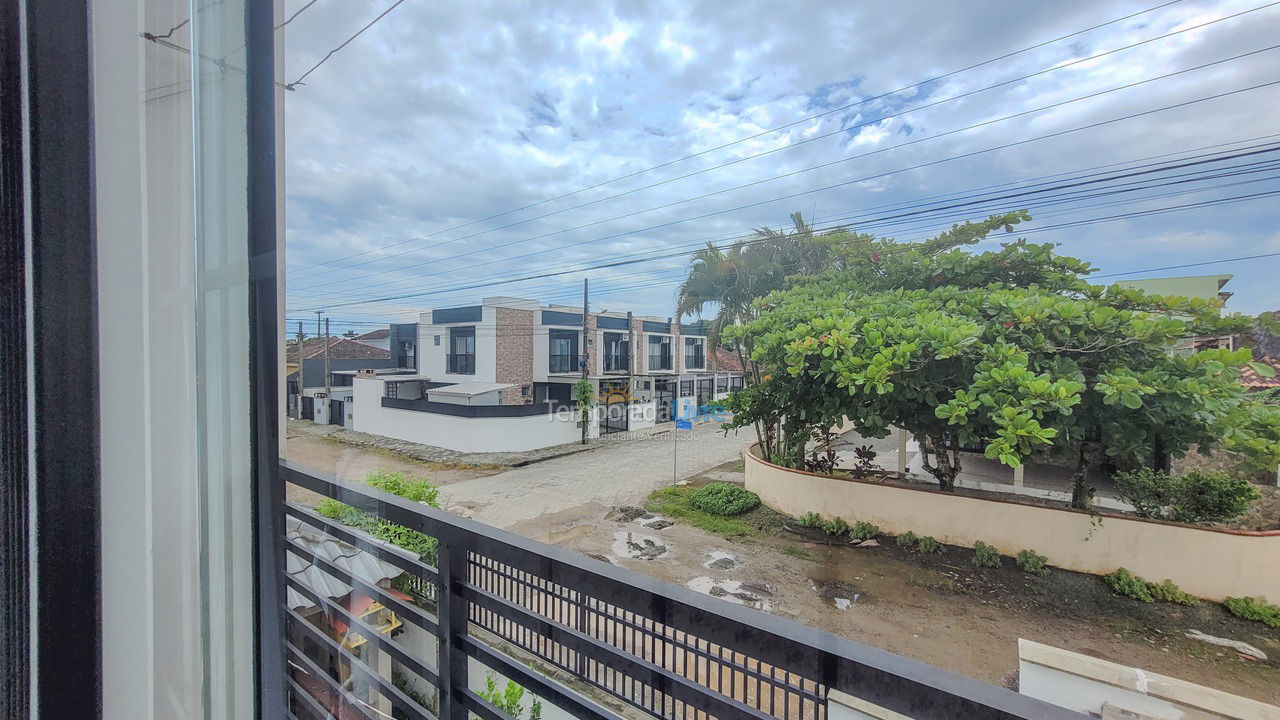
(1263, 369)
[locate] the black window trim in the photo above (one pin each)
(467, 359)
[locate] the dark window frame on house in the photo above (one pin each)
(461, 363)
(617, 352)
(735, 383)
(722, 384)
(697, 359)
(661, 360)
(565, 361)
(686, 388)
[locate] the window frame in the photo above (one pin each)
(467, 358)
(698, 345)
(563, 363)
(663, 343)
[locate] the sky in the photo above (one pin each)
(456, 144)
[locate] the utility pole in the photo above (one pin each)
(327, 380)
(301, 381)
(586, 359)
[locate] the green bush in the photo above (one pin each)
(1032, 562)
(863, 531)
(1123, 582)
(724, 499)
(907, 539)
(836, 526)
(1167, 591)
(928, 544)
(810, 520)
(1211, 496)
(1256, 609)
(1199, 496)
(985, 555)
(418, 490)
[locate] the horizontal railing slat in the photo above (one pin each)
(386, 688)
(370, 634)
(339, 693)
(417, 568)
(550, 691)
(412, 613)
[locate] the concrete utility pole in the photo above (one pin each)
(586, 358)
(327, 380)
(301, 382)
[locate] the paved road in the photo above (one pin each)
(610, 475)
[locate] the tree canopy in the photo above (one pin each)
(1009, 352)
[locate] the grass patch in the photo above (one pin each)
(799, 552)
(674, 502)
(1255, 609)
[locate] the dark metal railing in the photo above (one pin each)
(559, 363)
(460, 363)
(592, 639)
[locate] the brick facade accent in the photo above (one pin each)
(639, 348)
(514, 347)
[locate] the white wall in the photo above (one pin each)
(642, 415)
(503, 434)
(432, 360)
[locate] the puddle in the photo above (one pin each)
(656, 523)
(720, 560)
(841, 594)
(639, 547)
(753, 595)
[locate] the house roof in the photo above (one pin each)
(348, 558)
(728, 361)
(1254, 381)
(339, 349)
(382, 334)
(469, 389)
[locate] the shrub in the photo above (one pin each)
(863, 531)
(836, 526)
(1032, 562)
(1211, 496)
(418, 490)
(724, 499)
(1123, 582)
(985, 555)
(1167, 591)
(810, 520)
(907, 539)
(928, 544)
(1147, 490)
(1256, 609)
(1198, 496)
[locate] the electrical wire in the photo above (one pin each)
(859, 180)
(763, 133)
(291, 86)
(799, 143)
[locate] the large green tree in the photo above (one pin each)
(1010, 352)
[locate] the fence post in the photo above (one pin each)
(452, 616)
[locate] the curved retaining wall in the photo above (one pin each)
(1213, 564)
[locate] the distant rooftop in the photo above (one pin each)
(1205, 287)
(339, 349)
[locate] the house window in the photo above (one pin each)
(722, 384)
(694, 358)
(437, 341)
(617, 353)
(462, 351)
(659, 352)
(563, 348)
(735, 383)
(686, 388)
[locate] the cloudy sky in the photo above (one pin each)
(457, 143)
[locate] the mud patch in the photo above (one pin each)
(755, 595)
(841, 594)
(638, 547)
(656, 523)
(627, 513)
(720, 560)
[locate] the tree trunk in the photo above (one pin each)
(947, 465)
(1081, 491)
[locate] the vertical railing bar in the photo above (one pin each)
(453, 627)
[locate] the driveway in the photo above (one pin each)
(609, 475)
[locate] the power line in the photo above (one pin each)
(1122, 216)
(790, 146)
(980, 206)
(863, 179)
(863, 221)
(331, 53)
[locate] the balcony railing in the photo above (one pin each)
(460, 364)
(616, 362)
(619, 644)
(659, 362)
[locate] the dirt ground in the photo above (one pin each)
(937, 608)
